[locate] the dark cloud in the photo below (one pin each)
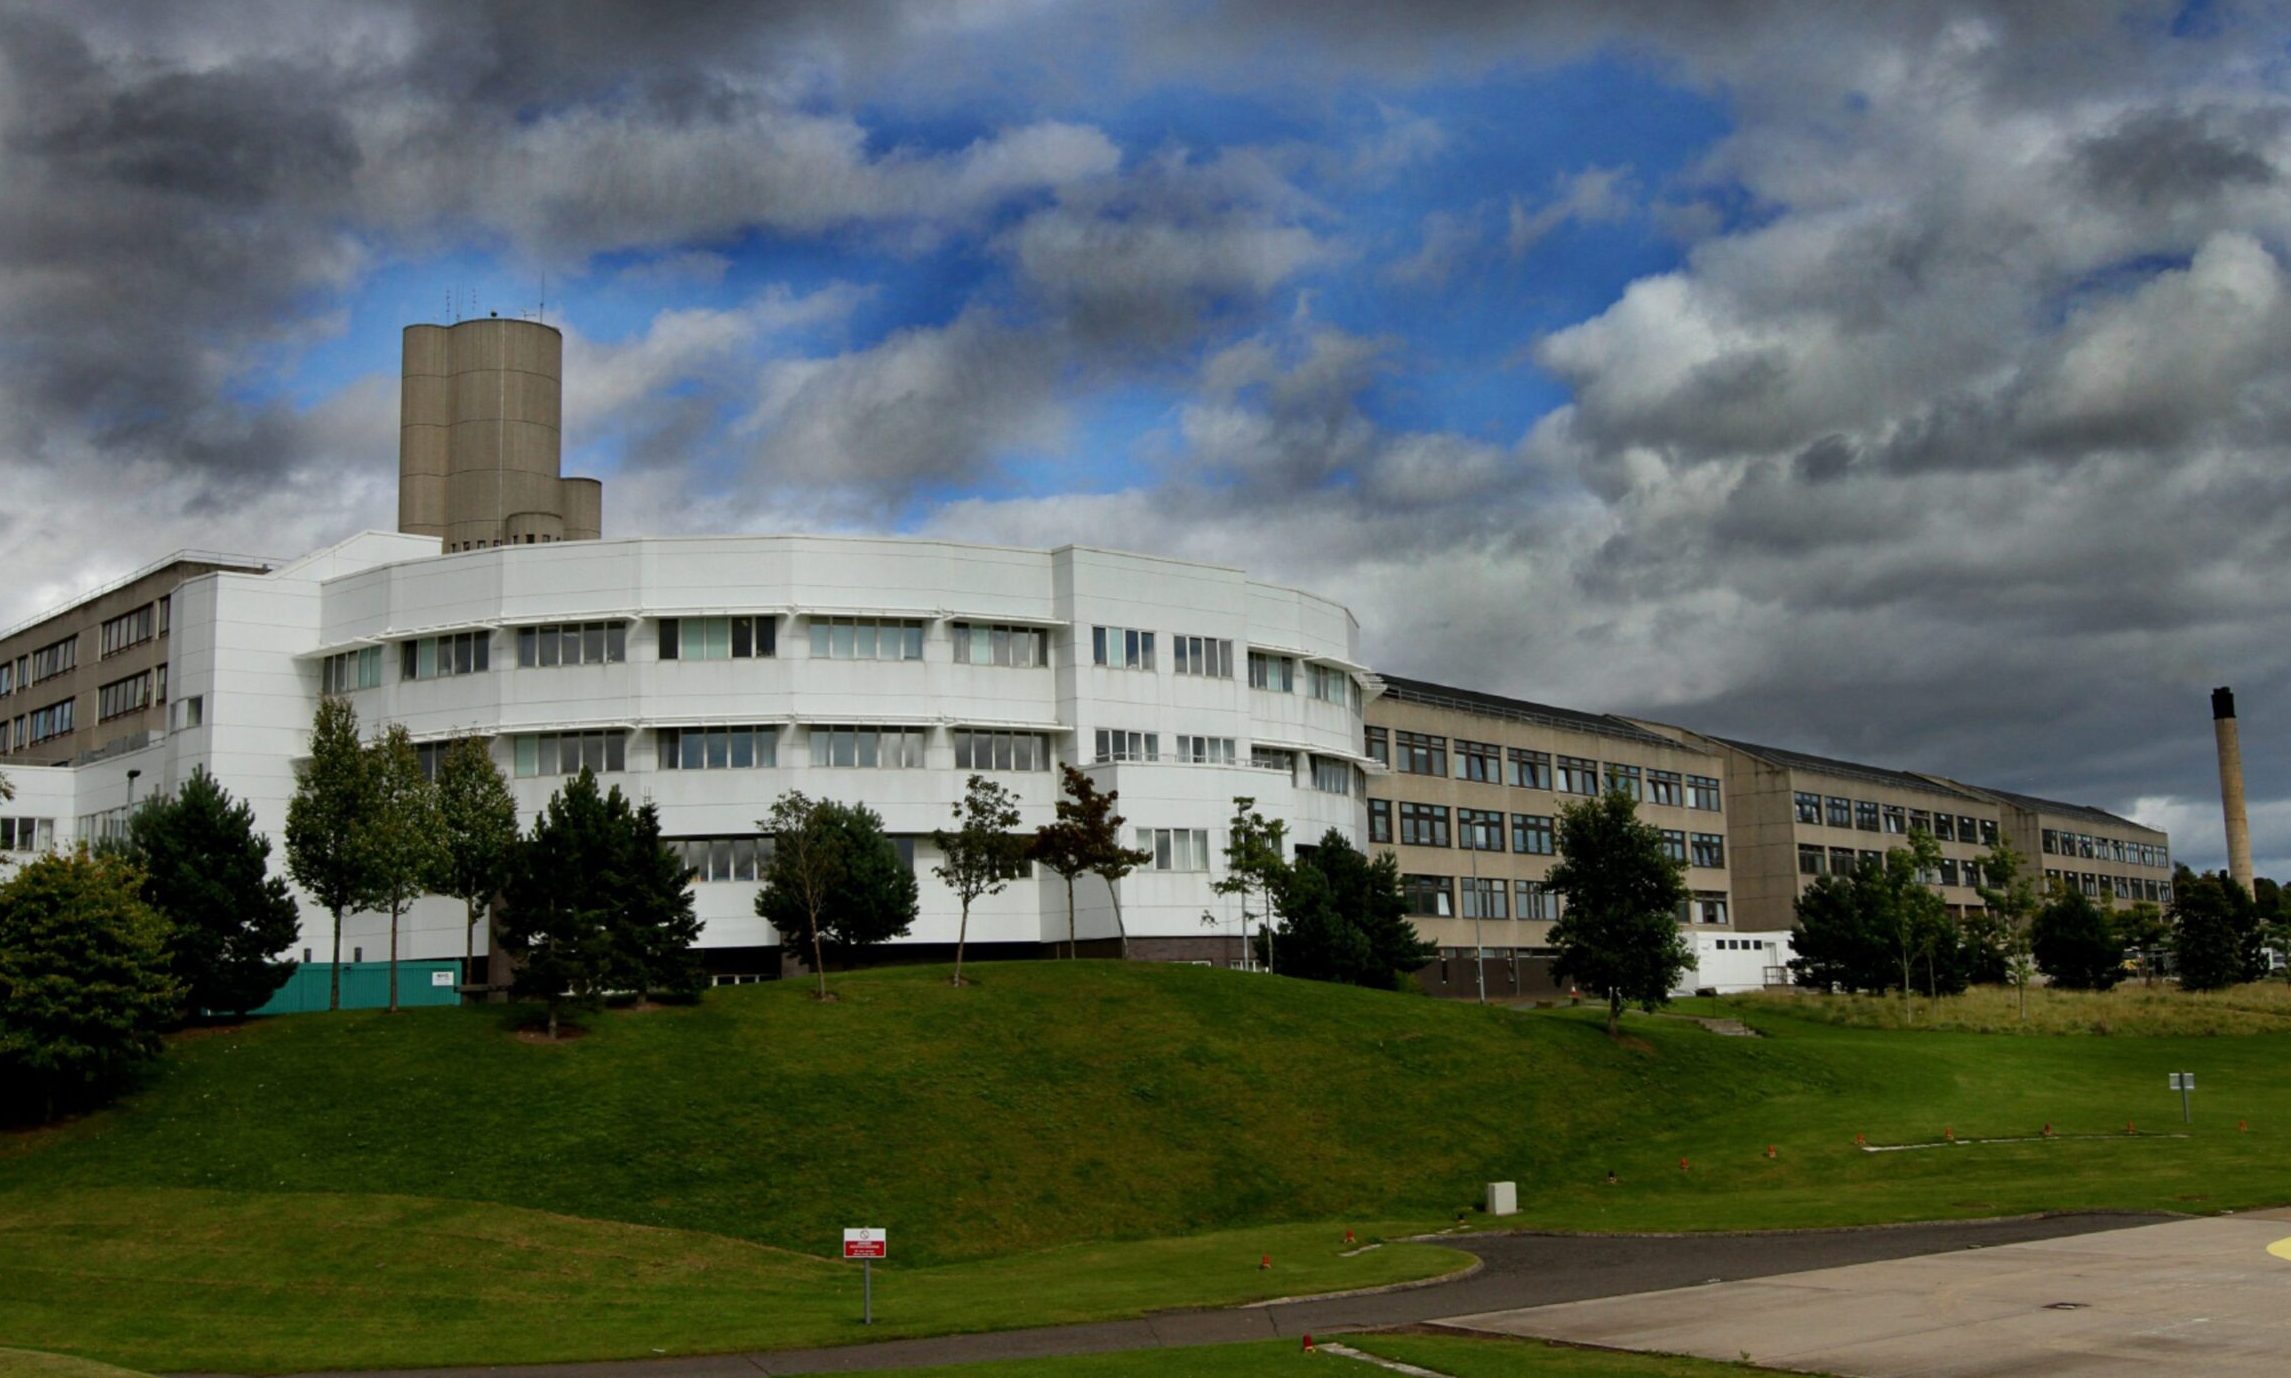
(2172, 157)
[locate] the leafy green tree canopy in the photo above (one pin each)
(84, 984)
(1345, 919)
(206, 871)
(981, 854)
(402, 835)
(333, 796)
(2215, 933)
(2076, 944)
(479, 821)
(834, 880)
(1619, 932)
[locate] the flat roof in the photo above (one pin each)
(1521, 710)
(1855, 770)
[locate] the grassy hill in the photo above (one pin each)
(1050, 1107)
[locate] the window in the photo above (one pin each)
(129, 629)
(1428, 896)
(1709, 908)
(53, 659)
(1944, 827)
(1839, 811)
(1481, 761)
(1626, 779)
(1920, 821)
(1021, 648)
(2051, 842)
(1205, 751)
(1331, 776)
(712, 859)
(1484, 898)
(1121, 648)
(1531, 769)
(1176, 849)
(1578, 776)
(1380, 820)
(1989, 833)
(1708, 849)
(1207, 656)
(1331, 685)
(863, 638)
(1274, 758)
(1533, 835)
(1423, 825)
(8, 680)
(1968, 828)
(1809, 807)
(569, 753)
(1865, 815)
(1420, 754)
(1534, 900)
(1948, 870)
(122, 697)
(868, 748)
(1479, 830)
(1665, 787)
(27, 834)
(1841, 861)
(51, 722)
(1379, 744)
(1896, 820)
(718, 748)
(1114, 744)
(1813, 860)
(1001, 750)
(1674, 844)
(439, 657)
(1276, 674)
(1702, 793)
(359, 669)
(190, 712)
(606, 643)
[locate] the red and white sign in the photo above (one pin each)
(866, 1244)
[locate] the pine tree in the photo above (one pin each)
(556, 920)
(206, 871)
(84, 987)
(402, 836)
(479, 818)
(653, 924)
(333, 797)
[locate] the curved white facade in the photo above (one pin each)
(253, 652)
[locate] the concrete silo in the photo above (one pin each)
(479, 438)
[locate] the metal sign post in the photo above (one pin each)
(2184, 1082)
(866, 1245)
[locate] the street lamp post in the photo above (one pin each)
(1479, 910)
(130, 798)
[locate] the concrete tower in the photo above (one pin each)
(2231, 786)
(479, 444)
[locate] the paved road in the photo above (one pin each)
(1521, 1270)
(2186, 1296)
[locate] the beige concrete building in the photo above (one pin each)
(91, 678)
(480, 438)
(2107, 857)
(1468, 799)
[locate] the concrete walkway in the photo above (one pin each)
(2189, 1296)
(1521, 1270)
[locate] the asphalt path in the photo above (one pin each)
(1518, 1270)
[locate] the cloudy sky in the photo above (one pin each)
(1910, 382)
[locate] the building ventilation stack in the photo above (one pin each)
(479, 438)
(2231, 786)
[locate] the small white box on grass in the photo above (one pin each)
(1503, 1198)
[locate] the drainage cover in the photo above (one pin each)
(2065, 1305)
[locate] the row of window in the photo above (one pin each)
(1421, 753)
(1018, 647)
(130, 695)
(2122, 887)
(48, 661)
(359, 669)
(745, 857)
(27, 834)
(43, 724)
(132, 628)
(586, 643)
(1479, 897)
(1532, 834)
(1869, 816)
(2059, 842)
(1816, 860)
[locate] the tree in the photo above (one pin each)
(1910, 914)
(982, 854)
(2000, 938)
(2142, 930)
(84, 987)
(1619, 931)
(555, 919)
(1099, 831)
(1065, 844)
(478, 819)
(2215, 934)
(834, 879)
(2075, 943)
(651, 921)
(1256, 863)
(1345, 918)
(1837, 939)
(402, 834)
(325, 852)
(207, 872)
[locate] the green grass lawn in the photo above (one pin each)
(1060, 1141)
(1459, 1356)
(27, 1363)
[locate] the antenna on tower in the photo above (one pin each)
(541, 309)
